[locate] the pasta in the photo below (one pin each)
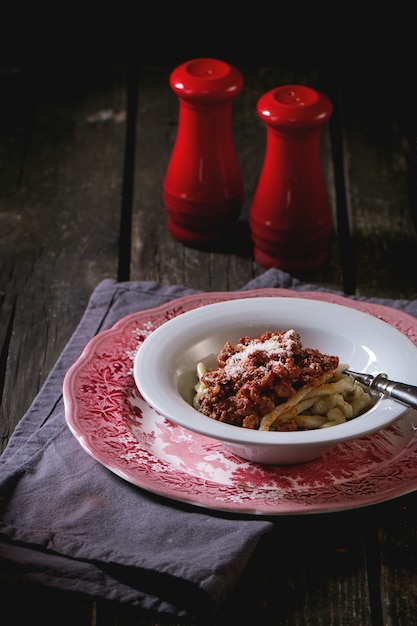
(274, 383)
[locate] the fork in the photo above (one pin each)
(401, 392)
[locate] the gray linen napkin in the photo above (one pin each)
(68, 522)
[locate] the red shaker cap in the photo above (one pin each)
(206, 79)
(294, 106)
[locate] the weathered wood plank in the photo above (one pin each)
(398, 544)
(384, 240)
(63, 217)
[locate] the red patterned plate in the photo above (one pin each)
(113, 423)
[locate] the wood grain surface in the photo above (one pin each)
(83, 154)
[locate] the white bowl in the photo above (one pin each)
(165, 368)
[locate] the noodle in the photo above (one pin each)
(274, 383)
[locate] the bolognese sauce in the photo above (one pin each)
(255, 375)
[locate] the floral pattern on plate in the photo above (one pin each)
(113, 423)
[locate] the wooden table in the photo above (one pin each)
(83, 153)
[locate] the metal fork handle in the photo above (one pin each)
(406, 394)
(401, 392)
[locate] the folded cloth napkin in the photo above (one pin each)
(67, 522)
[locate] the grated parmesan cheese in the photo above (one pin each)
(279, 346)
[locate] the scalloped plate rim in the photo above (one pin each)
(384, 312)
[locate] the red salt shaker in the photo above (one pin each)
(203, 188)
(290, 216)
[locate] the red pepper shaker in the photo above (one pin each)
(290, 217)
(203, 189)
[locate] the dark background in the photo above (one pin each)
(340, 37)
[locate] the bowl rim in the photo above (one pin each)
(150, 355)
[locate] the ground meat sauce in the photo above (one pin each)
(255, 375)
